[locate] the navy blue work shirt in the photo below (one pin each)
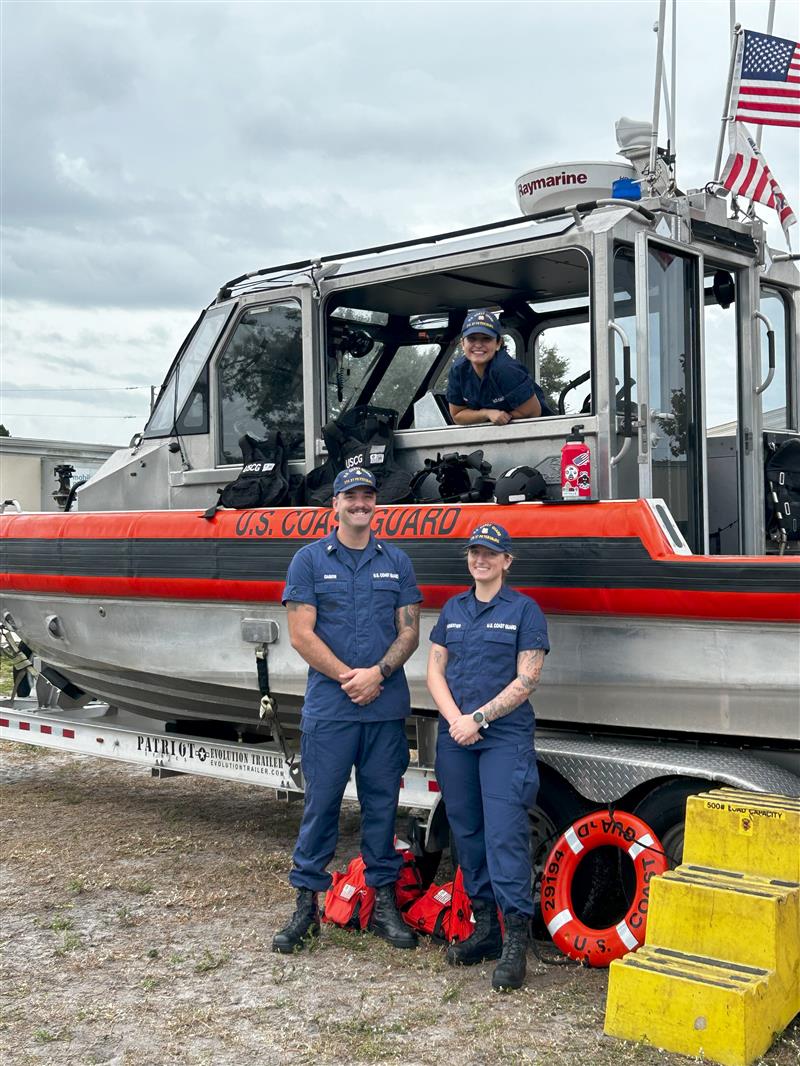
(483, 641)
(356, 595)
(506, 384)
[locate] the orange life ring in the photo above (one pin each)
(599, 947)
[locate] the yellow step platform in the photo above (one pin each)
(690, 1004)
(719, 973)
(743, 919)
(754, 833)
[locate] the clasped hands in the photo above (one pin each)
(465, 730)
(363, 684)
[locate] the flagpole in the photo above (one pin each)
(725, 116)
(674, 62)
(662, 11)
(770, 24)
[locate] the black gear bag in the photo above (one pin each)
(363, 436)
(264, 478)
(782, 473)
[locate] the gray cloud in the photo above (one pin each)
(151, 151)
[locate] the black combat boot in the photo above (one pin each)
(485, 941)
(386, 922)
(510, 970)
(303, 923)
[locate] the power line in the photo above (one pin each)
(72, 388)
(45, 414)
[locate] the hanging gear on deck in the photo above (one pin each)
(263, 480)
(364, 437)
(782, 473)
(454, 478)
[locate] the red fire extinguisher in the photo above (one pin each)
(576, 467)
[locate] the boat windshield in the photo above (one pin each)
(393, 343)
(184, 376)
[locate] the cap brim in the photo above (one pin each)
(357, 485)
(478, 542)
(480, 329)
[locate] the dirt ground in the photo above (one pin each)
(136, 929)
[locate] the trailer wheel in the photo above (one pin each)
(664, 810)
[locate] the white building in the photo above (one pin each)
(27, 468)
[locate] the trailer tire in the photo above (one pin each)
(664, 810)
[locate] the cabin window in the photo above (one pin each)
(626, 470)
(562, 359)
(354, 350)
(673, 371)
(721, 402)
(183, 401)
(260, 380)
(775, 406)
(409, 366)
(391, 343)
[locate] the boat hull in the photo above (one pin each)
(150, 611)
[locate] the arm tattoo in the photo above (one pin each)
(405, 643)
(292, 606)
(529, 669)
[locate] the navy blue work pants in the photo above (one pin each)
(328, 752)
(488, 788)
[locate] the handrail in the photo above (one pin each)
(758, 389)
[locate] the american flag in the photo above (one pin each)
(766, 82)
(747, 174)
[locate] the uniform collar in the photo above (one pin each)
(371, 548)
(504, 595)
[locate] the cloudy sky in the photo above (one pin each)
(151, 151)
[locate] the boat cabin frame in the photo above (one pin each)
(674, 305)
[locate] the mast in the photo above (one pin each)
(662, 10)
(770, 24)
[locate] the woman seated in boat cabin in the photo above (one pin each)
(486, 384)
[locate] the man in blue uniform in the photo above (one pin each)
(353, 611)
(486, 384)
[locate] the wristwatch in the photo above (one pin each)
(480, 718)
(385, 669)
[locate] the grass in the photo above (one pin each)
(44, 1036)
(208, 962)
(140, 887)
(70, 942)
(6, 676)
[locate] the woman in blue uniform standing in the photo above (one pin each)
(486, 384)
(487, 652)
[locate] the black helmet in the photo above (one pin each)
(518, 484)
